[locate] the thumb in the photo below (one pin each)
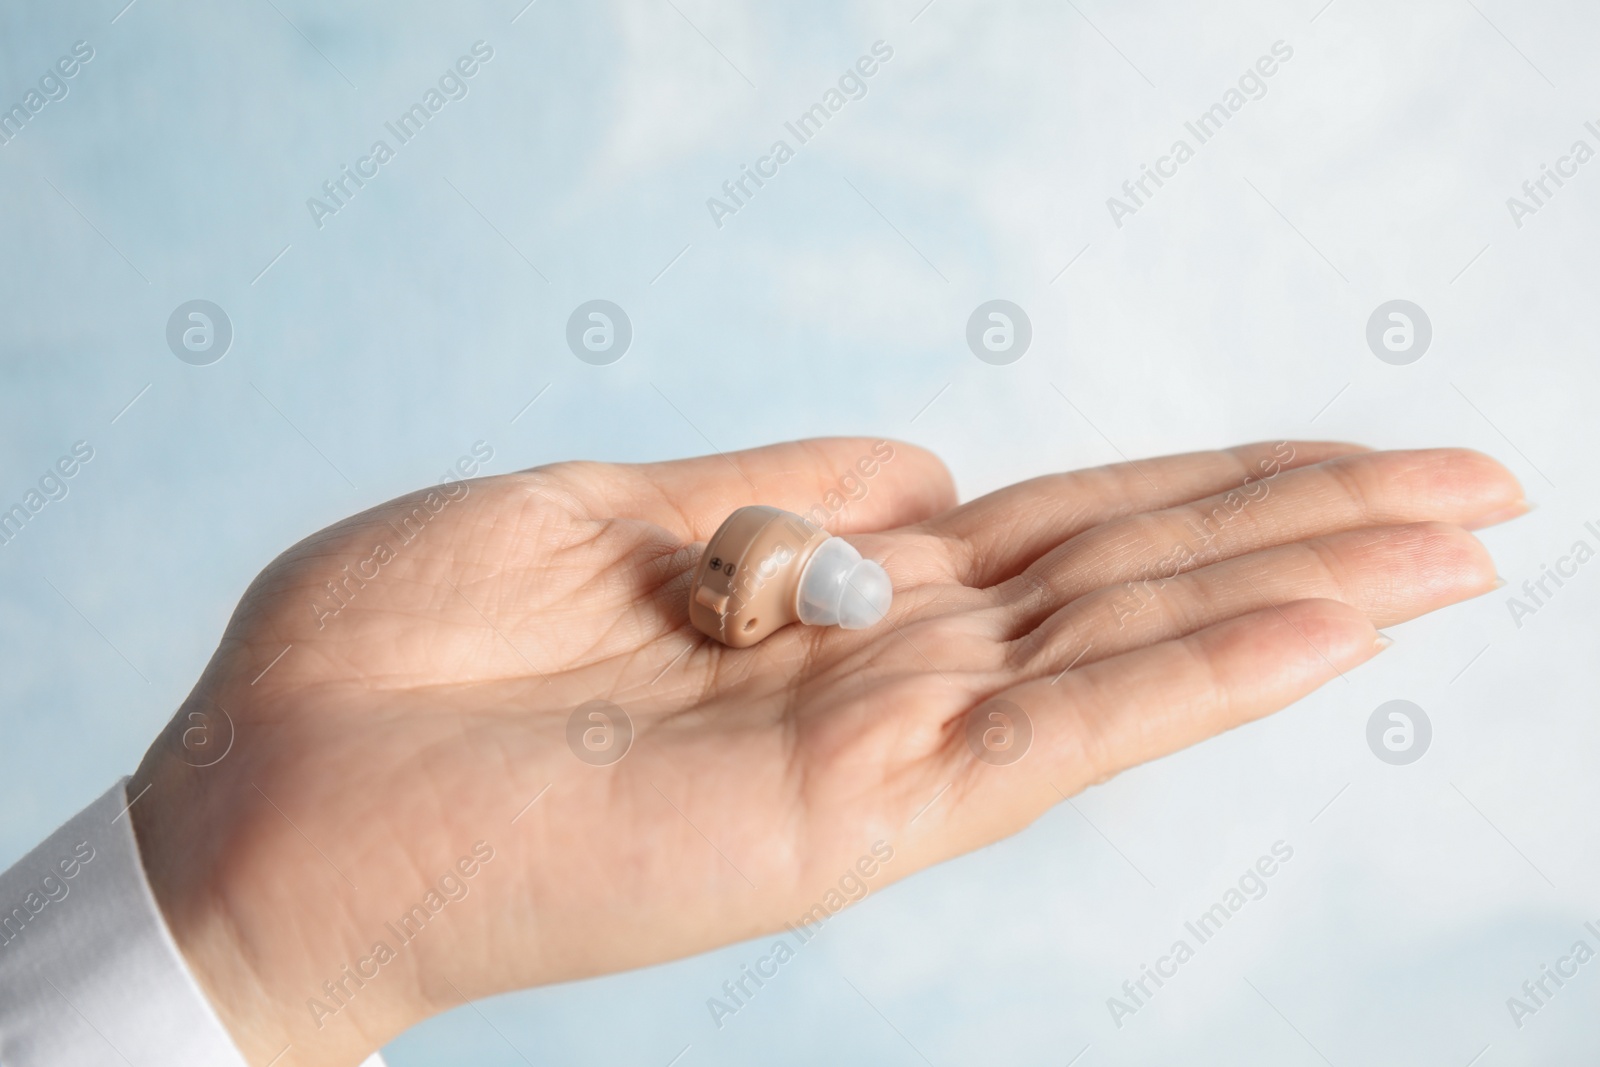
(846, 484)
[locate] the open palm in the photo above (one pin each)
(412, 690)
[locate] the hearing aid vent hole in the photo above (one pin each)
(750, 624)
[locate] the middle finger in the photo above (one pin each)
(1455, 486)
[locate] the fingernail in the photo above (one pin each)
(1499, 583)
(1383, 641)
(1505, 514)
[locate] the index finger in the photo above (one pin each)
(997, 536)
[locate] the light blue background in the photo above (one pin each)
(1232, 307)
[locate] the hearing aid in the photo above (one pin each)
(765, 568)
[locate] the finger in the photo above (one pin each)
(1373, 489)
(1389, 574)
(845, 484)
(1097, 721)
(996, 536)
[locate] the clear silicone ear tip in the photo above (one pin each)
(867, 595)
(839, 588)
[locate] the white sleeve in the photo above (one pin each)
(89, 972)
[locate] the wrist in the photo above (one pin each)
(219, 906)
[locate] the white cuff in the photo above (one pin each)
(89, 973)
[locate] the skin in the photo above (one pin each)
(426, 715)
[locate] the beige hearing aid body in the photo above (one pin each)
(765, 568)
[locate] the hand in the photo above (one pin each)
(404, 735)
